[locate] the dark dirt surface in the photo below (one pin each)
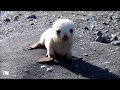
(18, 29)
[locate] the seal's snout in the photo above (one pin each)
(65, 38)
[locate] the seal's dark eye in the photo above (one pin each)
(71, 30)
(58, 31)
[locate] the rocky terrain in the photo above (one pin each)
(96, 44)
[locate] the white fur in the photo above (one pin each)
(56, 44)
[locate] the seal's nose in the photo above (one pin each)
(65, 37)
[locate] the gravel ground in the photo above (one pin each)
(96, 41)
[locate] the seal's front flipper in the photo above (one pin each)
(46, 59)
(35, 46)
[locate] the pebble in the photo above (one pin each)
(32, 16)
(49, 69)
(7, 20)
(85, 54)
(14, 75)
(87, 19)
(19, 14)
(103, 38)
(86, 28)
(31, 19)
(111, 18)
(106, 31)
(16, 18)
(82, 48)
(80, 44)
(10, 30)
(105, 23)
(116, 42)
(94, 50)
(75, 52)
(114, 37)
(106, 62)
(58, 17)
(112, 50)
(74, 15)
(43, 66)
(32, 24)
(99, 39)
(106, 69)
(99, 33)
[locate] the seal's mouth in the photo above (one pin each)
(65, 38)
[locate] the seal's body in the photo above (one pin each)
(57, 39)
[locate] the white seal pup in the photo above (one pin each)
(57, 40)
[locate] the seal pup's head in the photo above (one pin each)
(63, 29)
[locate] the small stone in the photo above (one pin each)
(16, 18)
(58, 17)
(19, 14)
(85, 54)
(106, 69)
(1, 61)
(111, 18)
(109, 71)
(87, 19)
(99, 39)
(106, 39)
(50, 22)
(10, 30)
(82, 48)
(115, 29)
(112, 50)
(14, 75)
(49, 69)
(106, 31)
(32, 24)
(99, 33)
(43, 66)
(75, 52)
(106, 62)
(86, 28)
(7, 20)
(100, 53)
(105, 23)
(116, 42)
(114, 37)
(94, 49)
(80, 44)
(74, 15)
(32, 16)
(92, 27)
(31, 19)
(118, 19)
(103, 38)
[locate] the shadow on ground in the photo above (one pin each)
(82, 68)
